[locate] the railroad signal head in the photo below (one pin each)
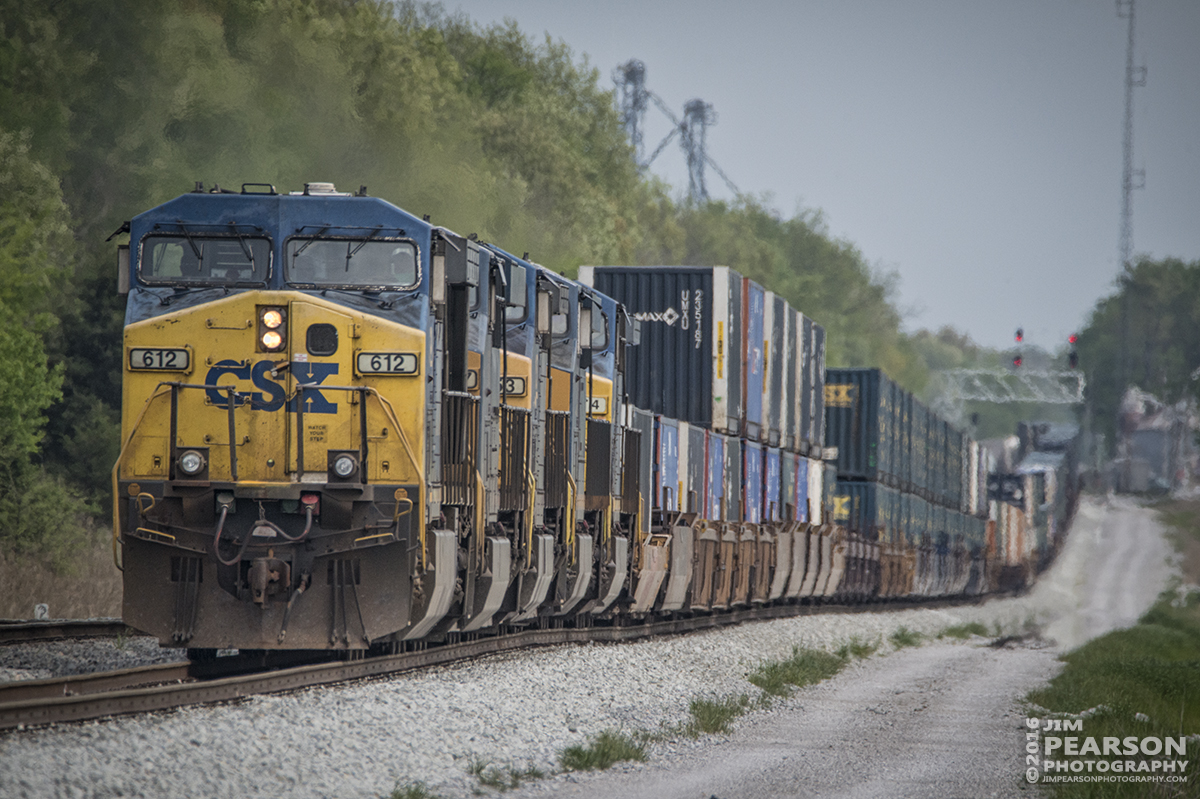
(1020, 336)
(1016, 360)
(1073, 359)
(1073, 338)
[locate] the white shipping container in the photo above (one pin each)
(816, 491)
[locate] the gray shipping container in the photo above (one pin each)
(805, 363)
(775, 329)
(791, 382)
(816, 434)
(689, 363)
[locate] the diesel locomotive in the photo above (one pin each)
(347, 428)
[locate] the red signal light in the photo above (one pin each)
(1020, 336)
(1016, 360)
(1073, 338)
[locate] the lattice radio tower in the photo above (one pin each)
(1130, 178)
(633, 98)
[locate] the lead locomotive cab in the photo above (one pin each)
(270, 489)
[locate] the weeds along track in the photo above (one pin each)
(165, 686)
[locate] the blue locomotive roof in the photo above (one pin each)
(278, 217)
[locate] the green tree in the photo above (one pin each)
(1146, 334)
(489, 131)
(37, 514)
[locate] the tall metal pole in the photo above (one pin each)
(697, 116)
(632, 99)
(1130, 179)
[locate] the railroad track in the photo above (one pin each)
(26, 632)
(167, 686)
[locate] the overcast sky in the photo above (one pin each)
(974, 148)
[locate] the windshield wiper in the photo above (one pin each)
(188, 236)
(361, 244)
(245, 247)
(360, 295)
(308, 244)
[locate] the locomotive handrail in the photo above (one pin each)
(531, 482)
(570, 520)
(171, 387)
(116, 472)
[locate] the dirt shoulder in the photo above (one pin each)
(937, 720)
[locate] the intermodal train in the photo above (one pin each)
(346, 428)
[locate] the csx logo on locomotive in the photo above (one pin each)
(272, 396)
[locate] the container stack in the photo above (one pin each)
(740, 369)
(908, 481)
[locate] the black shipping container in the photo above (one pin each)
(861, 414)
(688, 365)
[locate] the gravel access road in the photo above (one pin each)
(939, 720)
(933, 720)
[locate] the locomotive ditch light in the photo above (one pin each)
(272, 334)
(344, 465)
(191, 462)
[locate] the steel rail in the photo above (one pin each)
(98, 682)
(24, 632)
(86, 697)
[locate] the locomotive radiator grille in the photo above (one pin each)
(460, 423)
(599, 459)
(514, 456)
(631, 470)
(558, 430)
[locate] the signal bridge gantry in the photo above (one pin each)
(955, 387)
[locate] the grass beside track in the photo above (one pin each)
(89, 588)
(1141, 682)
(601, 752)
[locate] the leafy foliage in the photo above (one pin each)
(109, 109)
(1146, 334)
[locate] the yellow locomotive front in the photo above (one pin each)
(270, 491)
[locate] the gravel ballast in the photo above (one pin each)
(46, 659)
(519, 709)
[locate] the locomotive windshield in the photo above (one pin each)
(205, 260)
(599, 329)
(352, 263)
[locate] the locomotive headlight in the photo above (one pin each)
(344, 465)
(191, 462)
(272, 328)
